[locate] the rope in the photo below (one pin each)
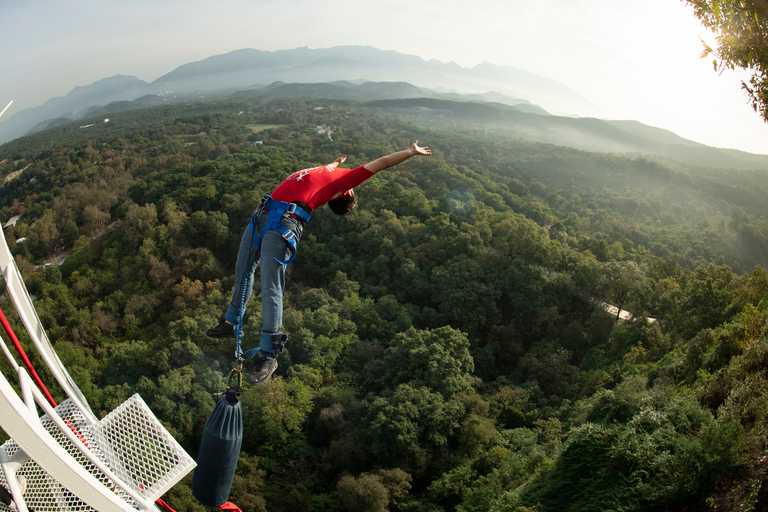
(164, 505)
(238, 327)
(233, 392)
(25, 359)
(238, 372)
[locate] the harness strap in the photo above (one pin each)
(278, 345)
(276, 211)
(250, 353)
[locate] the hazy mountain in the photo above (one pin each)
(242, 69)
(586, 133)
(72, 106)
(344, 89)
(249, 66)
(552, 95)
(150, 100)
(339, 90)
(506, 97)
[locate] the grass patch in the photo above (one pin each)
(256, 128)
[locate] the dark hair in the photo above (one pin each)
(343, 204)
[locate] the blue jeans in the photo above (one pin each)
(272, 273)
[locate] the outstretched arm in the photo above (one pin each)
(395, 158)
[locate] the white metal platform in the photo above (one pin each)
(66, 459)
(130, 441)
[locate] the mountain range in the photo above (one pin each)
(250, 69)
(530, 105)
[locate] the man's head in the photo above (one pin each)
(344, 204)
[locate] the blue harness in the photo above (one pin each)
(276, 211)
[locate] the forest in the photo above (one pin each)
(448, 346)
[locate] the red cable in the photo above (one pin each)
(25, 359)
(39, 382)
(164, 505)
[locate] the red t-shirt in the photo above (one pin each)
(318, 185)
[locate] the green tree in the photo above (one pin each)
(626, 280)
(640, 450)
(411, 426)
(365, 493)
(709, 297)
(43, 235)
(437, 359)
(274, 411)
(741, 28)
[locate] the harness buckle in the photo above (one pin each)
(278, 342)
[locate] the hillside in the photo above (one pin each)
(589, 134)
(491, 111)
(441, 352)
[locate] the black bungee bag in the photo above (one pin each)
(218, 453)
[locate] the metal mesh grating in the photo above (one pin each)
(44, 493)
(130, 441)
(140, 451)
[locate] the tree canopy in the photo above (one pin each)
(450, 347)
(741, 27)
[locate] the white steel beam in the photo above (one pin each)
(23, 303)
(24, 427)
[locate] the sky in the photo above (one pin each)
(635, 59)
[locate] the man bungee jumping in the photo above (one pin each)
(272, 238)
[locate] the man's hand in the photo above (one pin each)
(337, 162)
(418, 150)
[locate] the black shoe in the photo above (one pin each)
(223, 330)
(263, 370)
